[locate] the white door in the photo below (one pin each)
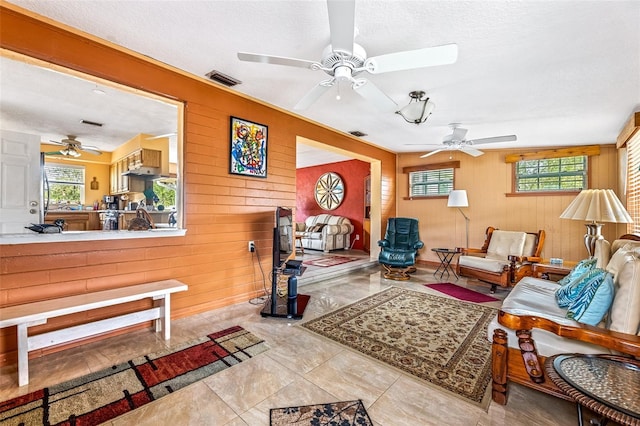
(20, 182)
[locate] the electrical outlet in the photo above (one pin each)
(252, 246)
(357, 237)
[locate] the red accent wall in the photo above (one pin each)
(352, 173)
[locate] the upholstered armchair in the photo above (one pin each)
(399, 247)
(504, 259)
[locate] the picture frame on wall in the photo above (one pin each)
(248, 153)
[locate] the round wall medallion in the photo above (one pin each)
(329, 191)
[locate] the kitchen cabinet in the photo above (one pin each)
(144, 158)
(120, 184)
(76, 220)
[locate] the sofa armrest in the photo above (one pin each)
(383, 243)
(524, 259)
(621, 342)
(471, 251)
(337, 229)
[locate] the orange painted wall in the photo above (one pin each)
(487, 179)
(223, 211)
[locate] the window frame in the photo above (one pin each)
(82, 185)
(429, 167)
(632, 188)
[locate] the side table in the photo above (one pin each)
(606, 384)
(545, 268)
(446, 256)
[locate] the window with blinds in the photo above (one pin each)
(66, 183)
(633, 183)
(429, 183)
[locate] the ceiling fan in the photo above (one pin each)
(456, 141)
(73, 147)
(343, 60)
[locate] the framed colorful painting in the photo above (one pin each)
(248, 148)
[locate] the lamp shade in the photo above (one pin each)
(597, 205)
(458, 198)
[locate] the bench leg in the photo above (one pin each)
(164, 322)
(23, 355)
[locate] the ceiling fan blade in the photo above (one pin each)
(341, 23)
(276, 60)
(471, 151)
(57, 142)
(370, 92)
(507, 138)
(428, 154)
(458, 134)
(93, 151)
(53, 153)
(313, 95)
(166, 135)
(410, 59)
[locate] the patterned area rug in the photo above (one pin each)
(461, 292)
(330, 261)
(437, 339)
(344, 413)
(106, 394)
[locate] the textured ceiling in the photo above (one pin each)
(551, 72)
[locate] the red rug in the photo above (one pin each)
(101, 396)
(461, 293)
(330, 261)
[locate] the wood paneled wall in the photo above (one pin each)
(487, 179)
(222, 211)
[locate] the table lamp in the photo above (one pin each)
(596, 205)
(458, 198)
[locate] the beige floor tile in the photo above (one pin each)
(351, 376)
(303, 351)
(194, 405)
(244, 385)
(298, 392)
(408, 402)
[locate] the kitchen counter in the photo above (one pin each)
(72, 236)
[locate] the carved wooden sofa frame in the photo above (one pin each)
(518, 267)
(525, 366)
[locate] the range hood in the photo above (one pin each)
(152, 172)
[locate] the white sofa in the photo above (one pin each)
(325, 232)
(532, 309)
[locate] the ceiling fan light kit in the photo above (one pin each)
(72, 147)
(418, 109)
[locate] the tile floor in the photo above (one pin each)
(299, 368)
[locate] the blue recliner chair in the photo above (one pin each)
(399, 247)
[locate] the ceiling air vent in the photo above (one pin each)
(357, 133)
(91, 123)
(221, 78)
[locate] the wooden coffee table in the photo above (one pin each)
(609, 385)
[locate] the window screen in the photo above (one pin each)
(553, 174)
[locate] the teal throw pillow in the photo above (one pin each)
(593, 301)
(583, 266)
(567, 293)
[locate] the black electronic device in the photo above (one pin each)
(293, 304)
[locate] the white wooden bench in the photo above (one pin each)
(37, 313)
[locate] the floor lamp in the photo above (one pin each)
(458, 198)
(596, 205)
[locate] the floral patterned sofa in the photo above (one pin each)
(325, 232)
